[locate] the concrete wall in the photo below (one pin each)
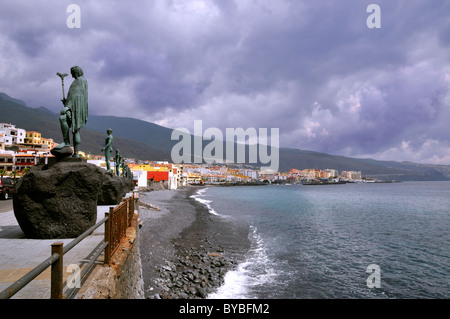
(123, 278)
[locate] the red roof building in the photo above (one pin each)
(157, 176)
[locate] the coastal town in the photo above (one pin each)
(21, 149)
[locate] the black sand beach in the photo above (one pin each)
(185, 250)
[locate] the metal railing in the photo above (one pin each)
(116, 221)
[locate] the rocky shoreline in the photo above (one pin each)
(186, 250)
(194, 275)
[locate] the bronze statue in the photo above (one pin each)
(118, 160)
(108, 149)
(75, 112)
(123, 165)
(126, 171)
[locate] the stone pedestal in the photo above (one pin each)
(59, 200)
(55, 160)
(61, 153)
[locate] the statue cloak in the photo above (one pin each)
(77, 101)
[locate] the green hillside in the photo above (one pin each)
(147, 141)
(47, 123)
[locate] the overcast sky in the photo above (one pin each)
(311, 68)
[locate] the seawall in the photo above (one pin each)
(122, 279)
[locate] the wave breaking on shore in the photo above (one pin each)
(256, 270)
(198, 197)
(186, 247)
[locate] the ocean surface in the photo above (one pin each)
(319, 241)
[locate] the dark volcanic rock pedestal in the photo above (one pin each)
(64, 152)
(60, 200)
(113, 189)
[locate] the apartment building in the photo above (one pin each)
(7, 162)
(33, 137)
(2, 140)
(23, 161)
(10, 135)
(351, 175)
(331, 173)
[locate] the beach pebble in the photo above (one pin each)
(193, 262)
(196, 273)
(201, 292)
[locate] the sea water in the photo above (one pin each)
(319, 241)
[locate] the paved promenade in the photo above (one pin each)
(19, 255)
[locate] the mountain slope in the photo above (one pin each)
(153, 135)
(389, 170)
(159, 137)
(92, 141)
(147, 141)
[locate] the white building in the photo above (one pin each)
(2, 140)
(331, 173)
(280, 176)
(99, 163)
(172, 183)
(11, 135)
(140, 177)
(351, 175)
(249, 173)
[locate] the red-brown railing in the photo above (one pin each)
(116, 222)
(119, 219)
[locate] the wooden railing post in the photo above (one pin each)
(57, 272)
(130, 211)
(133, 206)
(108, 236)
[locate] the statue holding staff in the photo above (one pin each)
(75, 111)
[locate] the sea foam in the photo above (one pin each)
(207, 203)
(256, 270)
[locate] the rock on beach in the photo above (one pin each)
(60, 200)
(193, 276)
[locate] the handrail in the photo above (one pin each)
(27, 278)
(76, 241)
(100, 248)
(104, 246)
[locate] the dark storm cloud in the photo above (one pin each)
(311, 68)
